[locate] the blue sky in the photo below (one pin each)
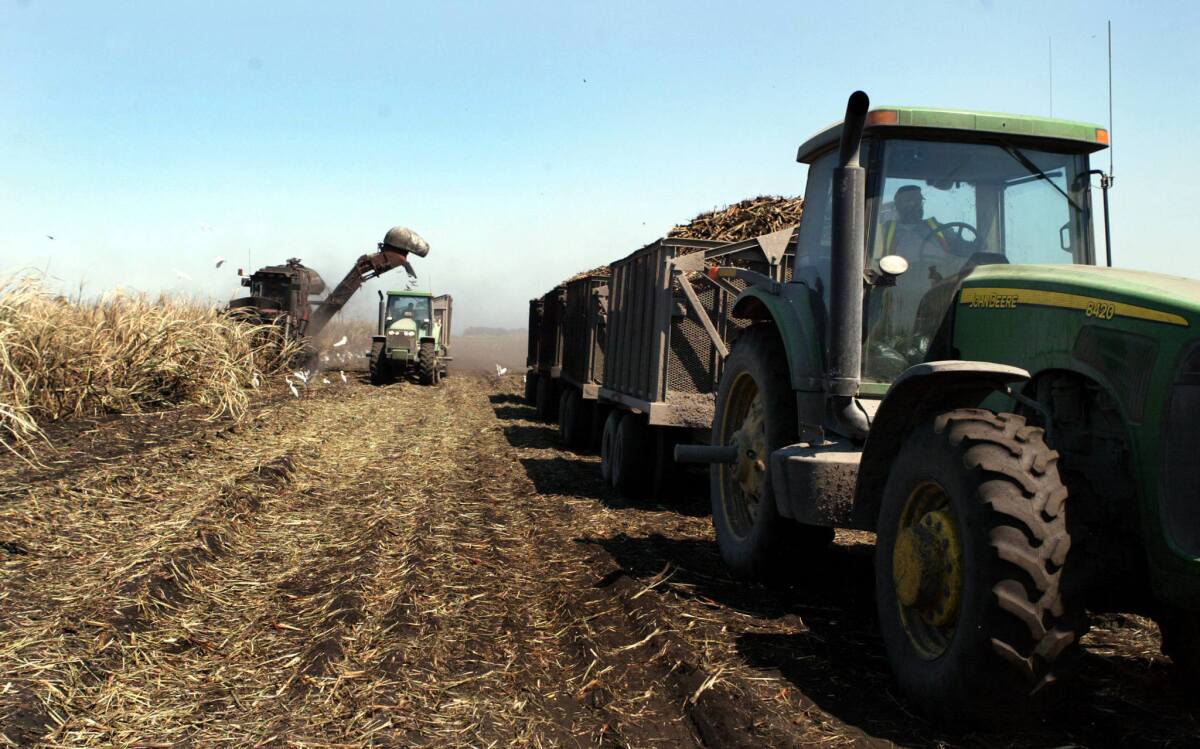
(525, 141)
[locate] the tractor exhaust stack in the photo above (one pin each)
(846, 293)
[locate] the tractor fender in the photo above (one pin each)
(919, 390)
(788, 308)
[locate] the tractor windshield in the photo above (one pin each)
(271, 286)
(411, 307)
(950, 207)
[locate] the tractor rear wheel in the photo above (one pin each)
(631, 456)
(1181, 643)
(756, 412)
(971, 546)
(380, 372)
(531, 381)
(545, 403)
(427, 364)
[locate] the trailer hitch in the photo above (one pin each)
(724, 454)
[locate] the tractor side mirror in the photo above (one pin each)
(885, 270)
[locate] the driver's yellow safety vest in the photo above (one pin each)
(889, 234)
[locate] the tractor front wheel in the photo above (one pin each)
(380, 372)
(971, 547)
(756, 413)
(427, 364)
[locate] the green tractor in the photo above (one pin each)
(947, 368)
(413, 337)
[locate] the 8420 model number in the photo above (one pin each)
(1100, 309)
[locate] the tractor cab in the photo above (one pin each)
(408, 315)
(285, 293)
(414, 335)
(946, 192)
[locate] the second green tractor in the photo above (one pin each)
(413, 337)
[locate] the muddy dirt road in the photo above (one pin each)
(408, 566)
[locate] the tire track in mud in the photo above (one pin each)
(652, 673)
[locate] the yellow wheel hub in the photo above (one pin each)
(751, 442)
(927, 569)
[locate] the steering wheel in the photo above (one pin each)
(958, 244)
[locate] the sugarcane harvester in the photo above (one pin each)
(947, 367)
(285, 294)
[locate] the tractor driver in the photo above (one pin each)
(408, 310)
(918, 239)
(929, 250)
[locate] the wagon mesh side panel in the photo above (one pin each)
(689, 364)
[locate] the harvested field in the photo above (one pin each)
(408, 566)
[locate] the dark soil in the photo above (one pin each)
(409, 566)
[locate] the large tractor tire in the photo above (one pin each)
(756, 412)
(379, 370)
(531, 381)
(428, 367)
(546, 402)
(632, 453)
(608, 441)
(1181, 643)
(971, 545)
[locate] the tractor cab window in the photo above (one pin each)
(408, 307)
(948, 208)
(811, 265)
(271, 287)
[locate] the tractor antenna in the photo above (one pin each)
(1110, 104)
